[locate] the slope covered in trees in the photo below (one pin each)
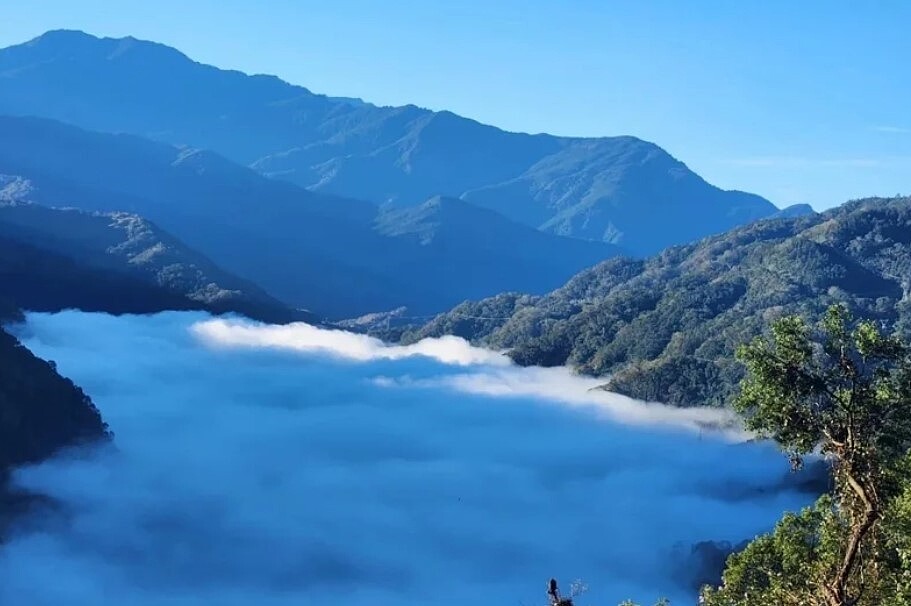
(40, 414)
(42, 411)
(36, 279)
(666, 328)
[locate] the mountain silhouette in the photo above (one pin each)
(620, 190)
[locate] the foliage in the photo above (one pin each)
(667, 328)
(842, 390)
(791, 565)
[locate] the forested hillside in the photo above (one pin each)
(665, 328)
(42, 413)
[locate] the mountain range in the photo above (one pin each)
(335, 256)
(619, 190)
(665, 328)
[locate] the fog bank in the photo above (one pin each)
(288, 465)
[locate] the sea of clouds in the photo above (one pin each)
(264, 465)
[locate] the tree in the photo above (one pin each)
(842, 390)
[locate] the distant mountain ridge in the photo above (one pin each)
(794, 210)
(334, 256)
(620, 190)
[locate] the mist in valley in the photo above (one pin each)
(257, 464)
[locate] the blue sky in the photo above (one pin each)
(798, 101)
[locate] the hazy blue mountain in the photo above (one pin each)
(336, 256)
(794, 210)
(617, 189)
(443, 224)
(621, 190)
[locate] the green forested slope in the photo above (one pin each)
(665, 328)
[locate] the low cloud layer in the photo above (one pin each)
(257, 466)
(496, 377)
(338, 343)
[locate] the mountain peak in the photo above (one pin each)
(795, 210)
(58, 42)
(60, 37)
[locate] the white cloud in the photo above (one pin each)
(342, 344)
(561, 386)
(898, 130)
(499, 377)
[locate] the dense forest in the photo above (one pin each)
(42, 411)
(666, 328)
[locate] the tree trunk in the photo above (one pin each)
(837, 591)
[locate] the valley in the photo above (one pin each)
(326, 466)
(264, 345)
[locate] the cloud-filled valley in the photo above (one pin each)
(286, 465)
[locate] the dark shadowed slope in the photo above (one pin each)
(333, 255)
(41, 411)
(123, 245)
(665, 328)
(618, 189)
(37, 279)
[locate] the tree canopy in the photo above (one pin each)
(840, 390)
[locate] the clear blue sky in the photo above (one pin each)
(797, 100)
